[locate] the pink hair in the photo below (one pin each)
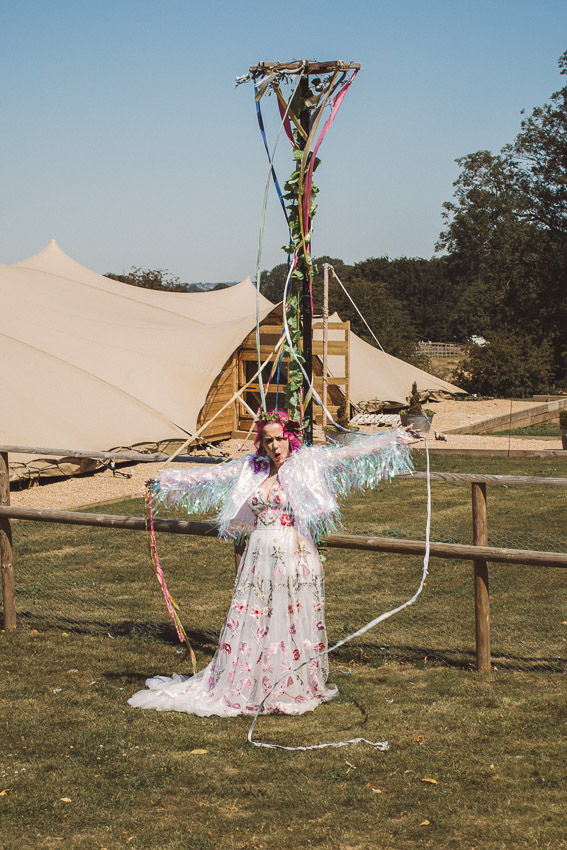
(279, 417)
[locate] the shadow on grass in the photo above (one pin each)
(361, 653)
(421, 656)
(144, 630)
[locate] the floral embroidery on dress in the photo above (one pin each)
(275, 622)
(270, 509)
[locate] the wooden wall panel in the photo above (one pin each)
(234, 375)
(222, 390)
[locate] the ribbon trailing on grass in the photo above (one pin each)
(378, 745)
(169, 601)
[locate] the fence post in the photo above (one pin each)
(6, 558)
(481, 598)
(239, 547)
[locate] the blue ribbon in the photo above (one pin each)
(264, 139)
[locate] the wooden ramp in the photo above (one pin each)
(539, 415)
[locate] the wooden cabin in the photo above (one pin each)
(243, 363)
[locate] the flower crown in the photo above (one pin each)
(282, 419)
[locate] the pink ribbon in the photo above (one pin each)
(335, 106)
(159, 572)
(286, 122)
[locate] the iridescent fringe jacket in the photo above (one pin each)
(312, 479)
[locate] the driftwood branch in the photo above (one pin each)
(308, 67)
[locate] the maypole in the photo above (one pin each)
(316, 85)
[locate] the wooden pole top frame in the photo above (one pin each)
(307, 67)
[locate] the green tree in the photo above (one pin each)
(506, 235)
(272, 282)
(541, 150)
(495, 252)
(386, 315)
(150, 279)
(509, 366)
(422, 288)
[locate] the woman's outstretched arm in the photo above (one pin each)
(198, 488)
(367, 461)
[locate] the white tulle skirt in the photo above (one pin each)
(275, 624)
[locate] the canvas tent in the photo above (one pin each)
(90, 363)
(374, 374)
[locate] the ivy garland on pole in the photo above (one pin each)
(302, 273)
(317, 85)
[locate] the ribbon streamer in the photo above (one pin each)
(236, 395)
(378, 745)
(271, 172)
(169, 601)
(335, 106)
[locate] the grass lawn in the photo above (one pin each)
(81, 769)
(549, 429)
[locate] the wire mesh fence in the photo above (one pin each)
(528, 605)
(99, 582)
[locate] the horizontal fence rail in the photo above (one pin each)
(455, 477)
(120, 455)
(479, 553)
(138, 457)
(454, 551)
(504, 480)
(127, 523)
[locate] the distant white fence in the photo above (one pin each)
(441, 349)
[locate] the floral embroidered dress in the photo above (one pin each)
(276, 619)
(275, 622)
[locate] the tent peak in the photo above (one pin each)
(52, 259)
(51, 250)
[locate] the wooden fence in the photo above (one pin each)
(441, 349)
(479, 553)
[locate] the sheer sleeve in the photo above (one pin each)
(196, 488)
(315, 477)
(366, 461)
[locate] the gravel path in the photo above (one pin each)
(104, 487)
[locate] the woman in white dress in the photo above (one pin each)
(284, 497)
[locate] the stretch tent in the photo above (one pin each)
(91, 363)
(377, 375)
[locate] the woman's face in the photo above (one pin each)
(275, 444)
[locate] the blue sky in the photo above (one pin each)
(125, 139)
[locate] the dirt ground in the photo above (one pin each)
(104, 487)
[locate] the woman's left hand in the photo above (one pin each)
(414, 434)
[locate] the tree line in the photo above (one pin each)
(162, 279)
(500, 271)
